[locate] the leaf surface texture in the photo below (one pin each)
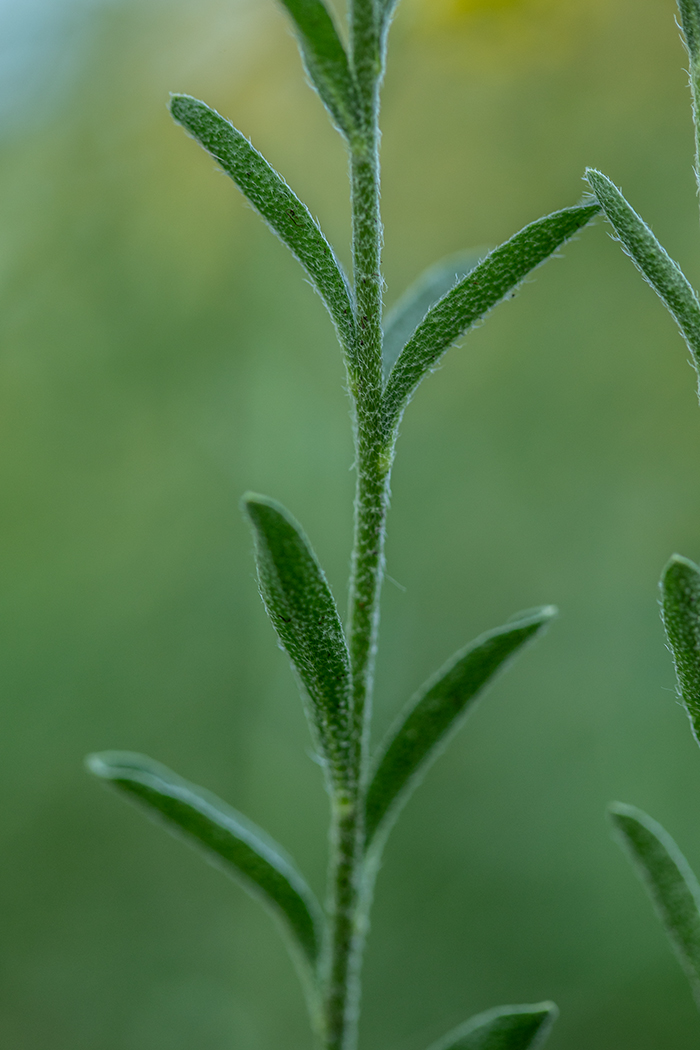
(498, 275)
(436, 712)
(669, 880)
(275, 201)
(226, 837)
(302, 610)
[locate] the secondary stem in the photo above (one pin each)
(371, 500)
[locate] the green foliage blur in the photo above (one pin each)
(160, 353)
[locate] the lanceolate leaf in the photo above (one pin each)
(326, 61)
(499, 274)
(227, 839)
(303, 612)
(271, 196)
(680, 608)
(436, 712)
(505, 1028)
(663, 274)
(414, 304)
(670, 883)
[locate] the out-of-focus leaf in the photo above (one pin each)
(227, 839)
(326, 61)
(300, 604)
(415, 302)
(656, 266)
(279, 206)
(505, 1028)
(497, 276)
(680, 609)
(424, 728)
(670, 883)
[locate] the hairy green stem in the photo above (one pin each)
(347, 920)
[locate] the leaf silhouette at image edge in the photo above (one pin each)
(301, 607)
(505, 1028)
(669, 880)
(419, 297)
(436, 711)
(680, 610)
(499, 274)
(656, 266)
(228, 839)
(326, 61)
(275, 201)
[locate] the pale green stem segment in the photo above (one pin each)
(303, 612)
(497, 276)
(276, 202)
(326, 63)
(690, 24)
(680, 610)
(669, 880)
(230, 842)
(424, 729)
(505, 1028)
(419, 297)
(656, 266)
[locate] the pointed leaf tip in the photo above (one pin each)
(270, 195)
(436, 712)
(301, 607)
(669, 880)
(226, 838)
(680, 610)
(505, 1028)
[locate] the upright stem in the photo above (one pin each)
(371, 499)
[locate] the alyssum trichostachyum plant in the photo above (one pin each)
(671, 883)
(334, 665)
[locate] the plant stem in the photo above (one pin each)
(371, 501)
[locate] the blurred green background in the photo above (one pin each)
(160, 353)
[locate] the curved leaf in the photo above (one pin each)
(497, 276)
(415, 302)
(300, 604)
(669, 880)
(436, 712)
(326, 61)
(656, 266)
(275, 201)
(680, 609)
(227, 839)
(505, 1028)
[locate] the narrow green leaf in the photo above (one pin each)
(670, 883)
(227, 839)
(492, 280)
(656, 266)
(436, 712)
(326, 61)
(690, 23)
(680, 609)
(505, 1028)
(300, 604)
(415, 302)
(275, 201)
